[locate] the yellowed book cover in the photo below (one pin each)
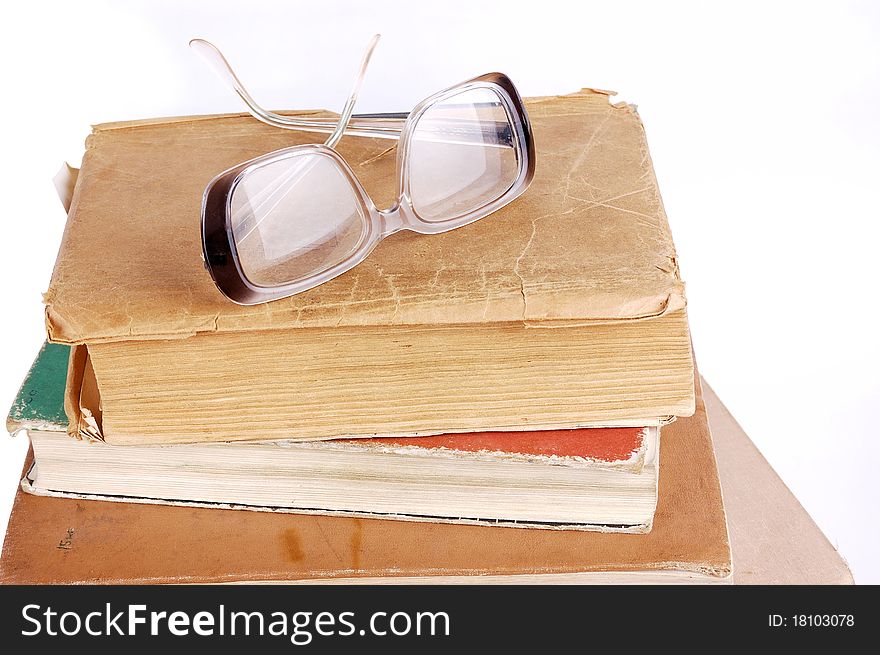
(563, 309)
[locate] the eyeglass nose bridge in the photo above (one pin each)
(391, 220)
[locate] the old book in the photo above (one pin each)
(79, 540)
(588, 478)
(394, 478)
(565, 309)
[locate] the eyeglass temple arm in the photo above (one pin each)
(387, 126)
(383, 126)
(348, 110)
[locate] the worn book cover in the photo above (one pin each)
(563, 309)
(589, 241)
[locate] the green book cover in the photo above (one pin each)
(40, 401)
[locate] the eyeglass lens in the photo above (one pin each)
(298, 216)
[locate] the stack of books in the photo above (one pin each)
(517, 397)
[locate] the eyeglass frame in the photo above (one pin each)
(219, 250)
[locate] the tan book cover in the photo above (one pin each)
(563, 309)
(589, 241)
(77, 540)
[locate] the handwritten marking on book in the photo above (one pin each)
(67, 542)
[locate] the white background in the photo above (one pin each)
(763, 125)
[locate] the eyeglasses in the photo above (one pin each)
(292, 219)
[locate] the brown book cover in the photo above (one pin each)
(71, 540)
(564, 309)
(589, 241)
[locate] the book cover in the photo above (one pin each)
(588, 242)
